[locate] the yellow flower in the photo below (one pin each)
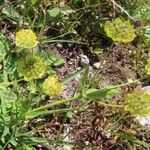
(138, 103)
(26, 38)
(32, 67)
(52, 86)
(120, 31)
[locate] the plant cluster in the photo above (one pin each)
(28, 76)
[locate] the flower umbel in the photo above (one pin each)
(32, 67)
(120, 31)
(52, 86)
(26, 38)
(138, 103)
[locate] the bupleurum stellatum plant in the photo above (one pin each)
(52, 86)
(69, 28)
(32, 67)
(120, 31)
(138, 103)
(26, 38)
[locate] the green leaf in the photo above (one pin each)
(58, 62)
(54, 12)
(13, 142)
(34, 114)
(104, 93)
(51, 58)
(97, 50)
(3, 85)
(11, 13)
(73, 75)
(33, 2)
(28, 141)
(5, 131)
(4, 46)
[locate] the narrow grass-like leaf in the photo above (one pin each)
(56, 103)
(34, 114)
(73, 75)
(101, 94)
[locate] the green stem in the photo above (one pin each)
(110, 105)
(62, 41)
(62, 35)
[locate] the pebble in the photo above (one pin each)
(106, 134)
(97, 65)
(59, 45)
(144, 121)
(84, 60)
(146, 89)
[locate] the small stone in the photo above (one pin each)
(97, 65)
(144, 121)
(59, 45)
(84, 60)
(146, 89)
(106, 135)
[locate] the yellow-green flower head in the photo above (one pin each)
(138, 103)
(147, 67)
(32, 67)
(26, 38)
(52, 86)
(120, 31)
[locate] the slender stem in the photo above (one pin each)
(6, 84)
(110, 105)
(62, 41)
(62, 35)
(44, 19)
